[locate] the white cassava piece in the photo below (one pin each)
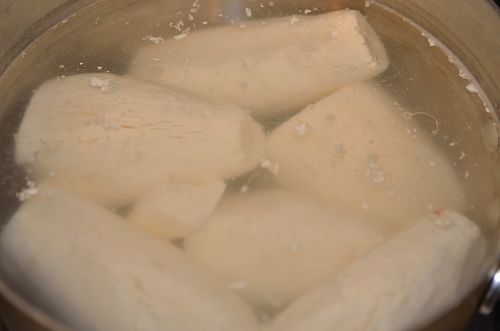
(112, 139)
(359, 155)
(277, 244)
(268, 68)
(176, 210)
(403, 284)
(98, 273)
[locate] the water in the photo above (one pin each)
(423, 79)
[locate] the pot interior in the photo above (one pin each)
(104, 37)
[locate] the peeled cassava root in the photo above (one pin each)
(175, 211)
(403, 284)
(271, 66)
(114, 139)
(272, 246)
(354, 150)
(98, 273)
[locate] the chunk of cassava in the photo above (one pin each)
(355, 150)
(271, 66)
(403, 284)
(112, 139)
(273, 245)
(97, 273)
(176, 210)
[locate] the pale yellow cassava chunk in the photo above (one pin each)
(176, 210)
(403, 284)
(98, 273)
(273, 245)
(269, 66)
(354, 150)
(113, 139)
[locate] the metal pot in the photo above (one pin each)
(468, 28)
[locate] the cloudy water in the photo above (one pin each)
(229, 164)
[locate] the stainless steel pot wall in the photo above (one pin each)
(469, 28)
